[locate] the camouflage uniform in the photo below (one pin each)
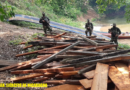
(115, 32)
(45, 24)
(89, 28)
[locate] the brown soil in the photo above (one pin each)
(90, 14)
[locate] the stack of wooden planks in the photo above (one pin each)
(74, 63)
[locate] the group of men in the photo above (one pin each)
(114, 31)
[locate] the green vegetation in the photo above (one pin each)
(123, 46)
(6, 11)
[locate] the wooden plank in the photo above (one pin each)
(41, 79)
(90, 74)
(8, 62)
(22, 63)
(43, 70)
(69, 73)
(56, 47)
(52, 51)
(117, 78)
(59, 35)
(86, 83)
(101, 77)
(66, 87)
(125, 72)
(32, 76)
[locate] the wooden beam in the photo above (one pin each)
(53, 51)
(54, 55)
(34, 52)
(43, 70)
(100, 77)
(90, 74)
(66, 87)
(22, 63)
(69, 73)
(8, 62)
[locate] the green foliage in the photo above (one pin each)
(94, 19)
(15, 42)
(124, 46)
(6, 11)
(117, 4)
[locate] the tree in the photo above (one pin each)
(103, 4)
(6, 12)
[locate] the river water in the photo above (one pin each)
(121, 23)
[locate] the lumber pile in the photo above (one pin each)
(74, 63)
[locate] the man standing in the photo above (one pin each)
(45, 22)
(89, 28)
(115, 32)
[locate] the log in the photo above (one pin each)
(66, 87)
(43, 70)
(90, 74)
(117, 78)
(59, 35)
(89, 40)
(100, 77)
(34, 52)
(54, 55)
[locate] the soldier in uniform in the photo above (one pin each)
(115, 32)
(45, 22)
(89, 28)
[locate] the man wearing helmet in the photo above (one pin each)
(89, 28)
(46, 23)
(115, 32)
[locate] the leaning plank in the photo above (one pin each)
(22, 63)
(7, 62)
(54, 55)
(56, 47)
(125, 72)
(100, 77)
(90, 74)
(66, 87)
(117, 78)
(86, 83)
(43, 70)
